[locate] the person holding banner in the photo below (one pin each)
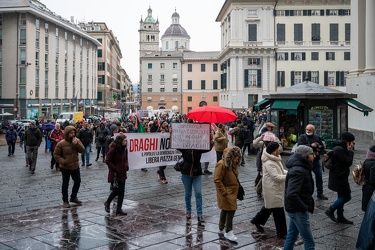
(192, 177)
(163, 129)
(118, 165)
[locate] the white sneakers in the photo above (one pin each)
(230, 236)
(221, 232)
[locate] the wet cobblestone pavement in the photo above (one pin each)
(32, 217)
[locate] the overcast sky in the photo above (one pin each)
(122, 17)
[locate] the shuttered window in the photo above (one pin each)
(298, 33)
(347, 32)
(252, 32)
(315, 32)
(281, 32)
(334, 32)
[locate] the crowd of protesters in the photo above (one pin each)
(287, 188)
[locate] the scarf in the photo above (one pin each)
(370, 155)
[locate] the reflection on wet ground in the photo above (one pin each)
(145, 227)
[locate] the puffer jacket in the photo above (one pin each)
(11, 135)
(192, 161)
(339, 174)
(299, 185)
(55, 137)
(225, 178)
(66, 154)
(273, 183)
(101, 136)
(221, 140)
(117, 161)
(236, 133)
(33, 137)
(86, 136)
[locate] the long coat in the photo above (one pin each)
(66, 154)
(339, 174)
(369, 188)
(221, 140)
(226, 186)
(273, 183)
(117, 161)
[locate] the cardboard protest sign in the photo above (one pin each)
(191, 136)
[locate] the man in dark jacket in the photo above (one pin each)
(299, 187)
(33, 139)
(310, 139)
(237, 141)
(66, 154)
(11, 138)
(86, 135)
(338, 176)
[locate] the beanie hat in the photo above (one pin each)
(347, 136)
(371, 153)
(33, 122)
(113, 127)
(271, 147)
(304, 151)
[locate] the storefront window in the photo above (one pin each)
(322, 118)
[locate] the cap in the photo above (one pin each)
(304, 150)
(270, 124)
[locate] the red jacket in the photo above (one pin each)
(118, 164)
(55, 136)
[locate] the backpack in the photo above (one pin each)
(244, 134)
(359, 174)
(327, 160)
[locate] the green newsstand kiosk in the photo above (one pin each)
(291, 109)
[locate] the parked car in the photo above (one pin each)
(5, 125)
(25, 123)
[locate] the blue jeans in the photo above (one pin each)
(190, 182)
(341, 200)
(87, 153)
(219, 155)
(318, 171)
(299, 223)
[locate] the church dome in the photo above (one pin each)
(175, 29)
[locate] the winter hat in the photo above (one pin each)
(347, 136)
(371, 153)
(113, 127)
(304, 151)
(33, 122)
(272, 146)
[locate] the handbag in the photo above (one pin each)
(114, 183)
(179, 164)
(241, 192)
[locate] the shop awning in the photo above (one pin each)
(358, 106)
(285, 104)
(262, 104)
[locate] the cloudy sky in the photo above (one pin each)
(122, 17)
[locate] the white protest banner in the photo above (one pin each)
(143, 113)
(147, 150)
(191, 135)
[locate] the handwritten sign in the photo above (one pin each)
(191, 135)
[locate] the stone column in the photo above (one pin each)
(357, 38)
(370, 37)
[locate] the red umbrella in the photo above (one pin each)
(211, 114)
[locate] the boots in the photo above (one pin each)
(330, 212)
(342, 219)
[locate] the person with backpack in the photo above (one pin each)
(237, 139)
(339, 176)
(369, 171)
(101, 135)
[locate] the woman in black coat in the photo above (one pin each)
(339, 176)
(369, 187)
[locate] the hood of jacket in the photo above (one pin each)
(339, 143)
(298, 160)
(66, 133)
(228, 156)
(270, 157)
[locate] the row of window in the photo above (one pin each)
(327, 12)
(214, 99)
(301, 56)
(315, 32)
(331, 78)
(190, 67)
